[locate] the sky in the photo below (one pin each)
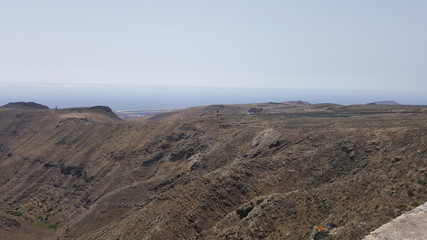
(53, 49)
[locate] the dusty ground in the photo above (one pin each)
(290, 171)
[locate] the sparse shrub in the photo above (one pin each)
(14, 213)
(47, 225)
(411, 192)
(404, 207)
(422, 181)
(52, 226)
(320, 235)
(320, 232)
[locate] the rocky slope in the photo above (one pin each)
(288, 172)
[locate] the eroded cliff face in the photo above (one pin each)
(85, 174)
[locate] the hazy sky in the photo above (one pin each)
(364, 44)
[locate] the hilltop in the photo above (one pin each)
(393, 103)
(25, 105)
(286, 171)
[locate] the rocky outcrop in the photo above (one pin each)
(410, 226)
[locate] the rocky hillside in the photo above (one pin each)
(290, 171)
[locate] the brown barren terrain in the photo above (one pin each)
(258, 171)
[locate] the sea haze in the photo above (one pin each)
(120, 97)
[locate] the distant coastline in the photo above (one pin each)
(172, 97)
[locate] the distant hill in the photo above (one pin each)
(25, 105)
(297, 102)
(96, 113)
(391, 103)
(79, 114)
